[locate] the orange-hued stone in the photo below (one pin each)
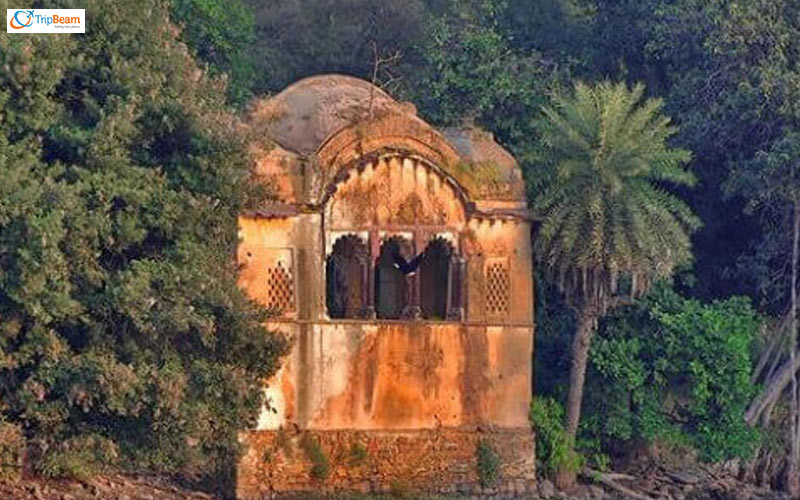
(413, 398)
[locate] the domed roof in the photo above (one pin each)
(332, 119)
(307, 112)
(476, 145)
(491, 165)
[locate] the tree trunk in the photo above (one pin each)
(792, 483)
(772, 352)
(565, 479)
(773, 388)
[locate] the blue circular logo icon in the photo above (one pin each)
(22, 19)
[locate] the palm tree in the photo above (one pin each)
(610, 226)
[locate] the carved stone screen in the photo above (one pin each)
(279, 275)
(497, 287)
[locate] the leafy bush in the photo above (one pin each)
(676, 371)
(12, 446)
(80, 457)
(121, 321)
(488, 463)
(358, 454)
(466, 68)
(320, 465)
(553, 449)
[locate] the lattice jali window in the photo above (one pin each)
(279, 281)
(498, 287)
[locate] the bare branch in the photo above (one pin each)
(378, 62)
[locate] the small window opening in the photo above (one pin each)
(436, 279)
(345, 275)
(394, 263)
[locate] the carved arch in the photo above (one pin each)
(397, 131)
(394, 188)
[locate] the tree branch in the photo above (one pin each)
(606, 480)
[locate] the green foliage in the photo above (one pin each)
(12, 446)
(119, 315)
(728, 72)
(487, 463)
(456, 59)
(80, 457)
(466, 71)
(607, 215)
(554, 451)
(555, 326)
(121, 321)
(299, 38)
(320, 464)
(358, 454)
(221, 34)
(675, 371)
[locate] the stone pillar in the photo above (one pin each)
(413, 310)
(456, 292)
(374, 250)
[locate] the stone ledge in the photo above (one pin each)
(442, 461)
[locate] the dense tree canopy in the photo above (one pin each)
(221, 35)
(122, 330)
(677, 371)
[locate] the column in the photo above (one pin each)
(374, 250)
(456, 288)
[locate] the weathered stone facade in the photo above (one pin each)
(398, 259)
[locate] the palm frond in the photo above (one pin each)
(607, 213)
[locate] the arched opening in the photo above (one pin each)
(435, 279)
(345, 276)
(394, 263)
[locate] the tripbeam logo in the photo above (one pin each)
(45, 21)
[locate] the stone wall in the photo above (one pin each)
(440, 461)
(401, 375)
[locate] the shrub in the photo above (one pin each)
(12, 445)
(320, 465)
(358, 454)
(553, 449)
(674, 371)
(80, 457)
(488, 463)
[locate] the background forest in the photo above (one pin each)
(122, 175)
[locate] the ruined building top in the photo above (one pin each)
(322, 123)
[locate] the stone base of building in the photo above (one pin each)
(443, 461)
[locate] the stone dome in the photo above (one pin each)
(310, 110)
(331, 118)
